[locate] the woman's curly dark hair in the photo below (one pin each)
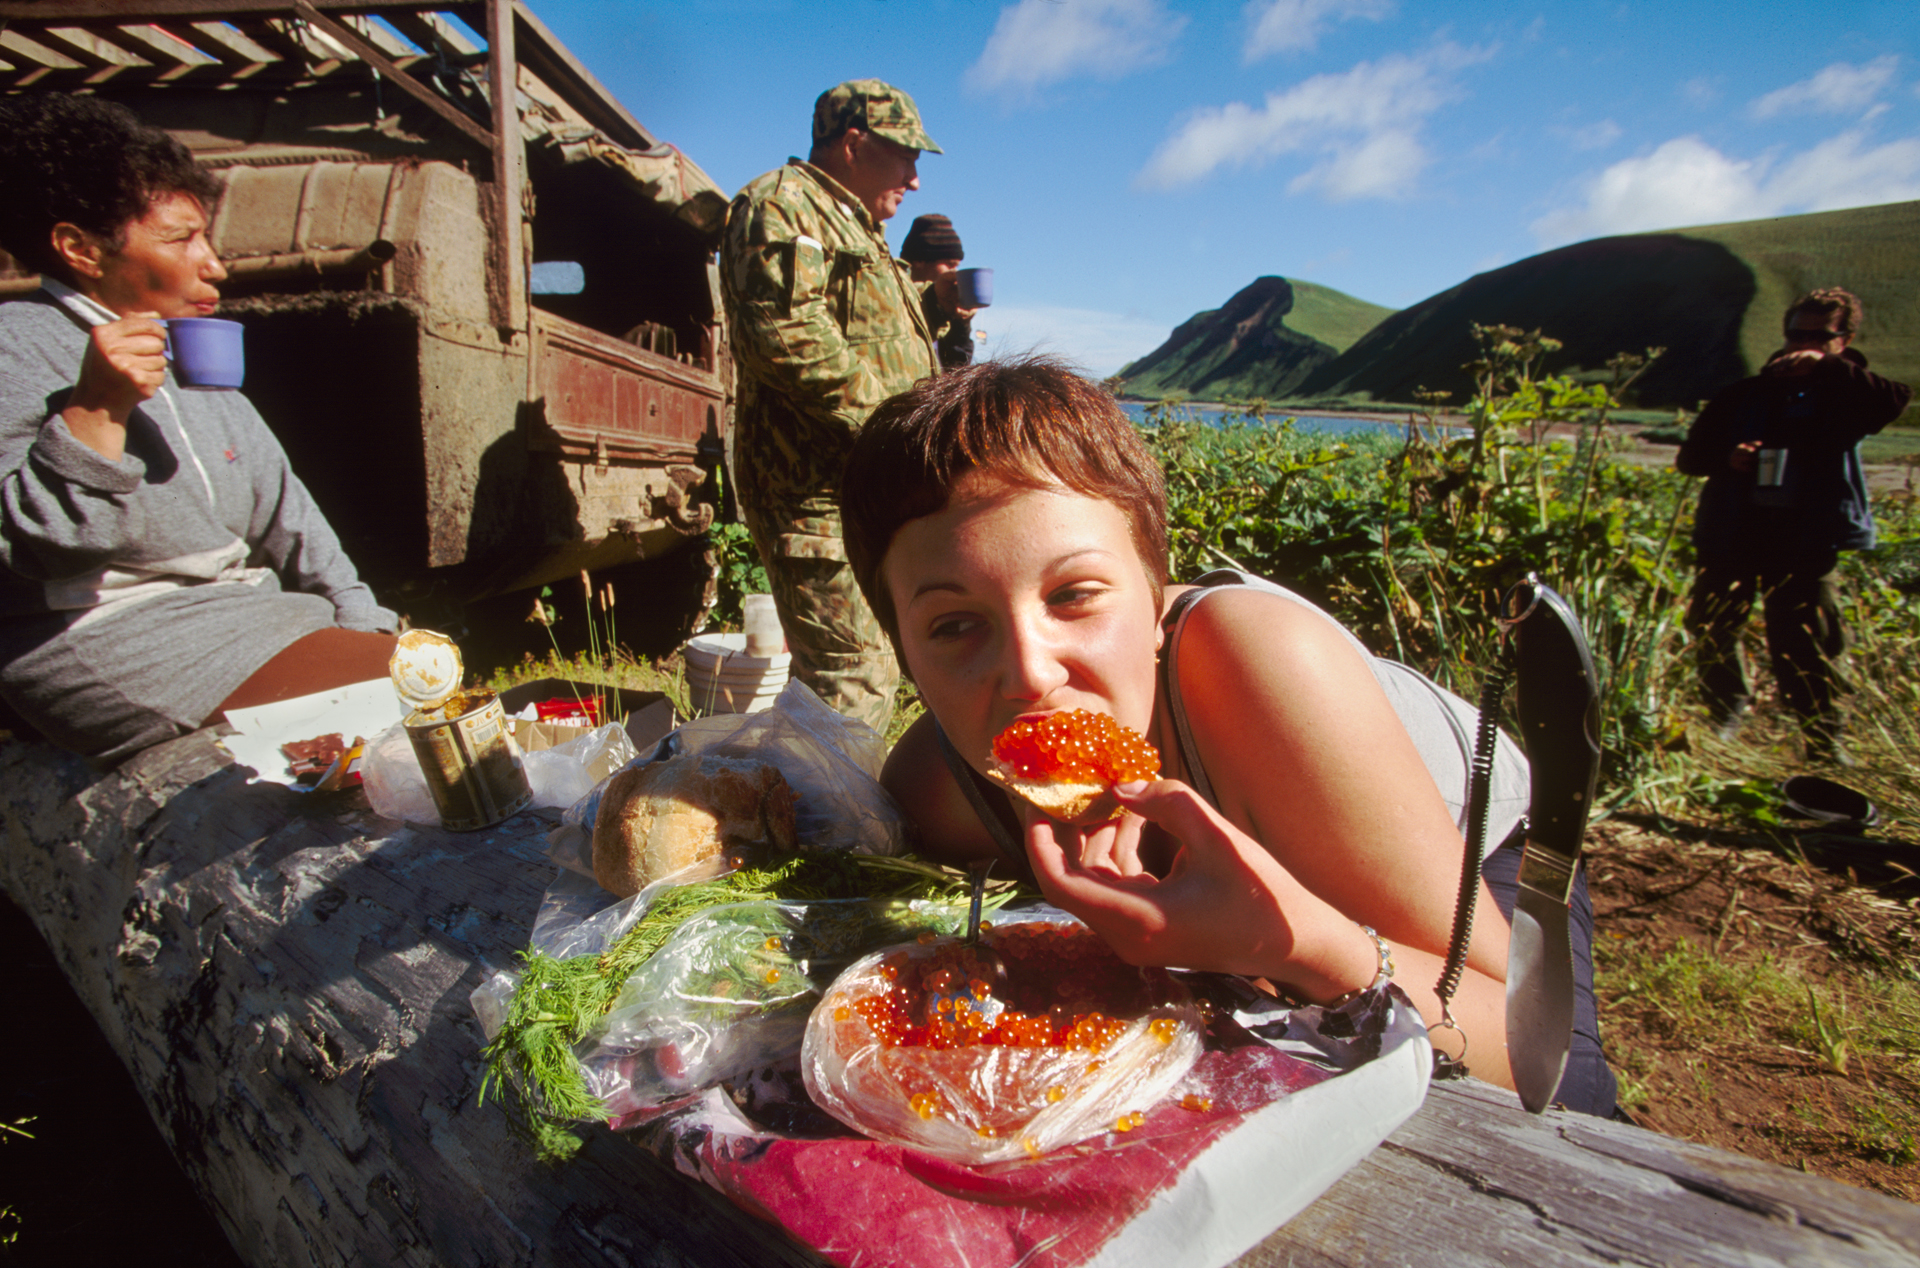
(89, 163)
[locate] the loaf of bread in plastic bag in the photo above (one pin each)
(663, 817)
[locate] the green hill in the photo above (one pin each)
(1712, 296)
(1335, 318)
(1265, 341)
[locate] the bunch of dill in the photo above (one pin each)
(531, 1064)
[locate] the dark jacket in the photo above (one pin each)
(1819, 419)
(952, 333)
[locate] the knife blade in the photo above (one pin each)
(1557, 701)
(1539, 996)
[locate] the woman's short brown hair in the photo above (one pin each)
(1030, 421)
(86, 162)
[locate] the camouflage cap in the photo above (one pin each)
(872, 106)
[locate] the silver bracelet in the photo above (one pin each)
(1380, 978)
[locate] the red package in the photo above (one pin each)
(572, 710)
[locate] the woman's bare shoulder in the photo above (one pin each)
(1244, 631)
(946, 827)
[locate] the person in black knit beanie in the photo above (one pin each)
(933, 253)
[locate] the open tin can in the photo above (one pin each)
(461, 738)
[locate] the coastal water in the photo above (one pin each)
(1333, 424)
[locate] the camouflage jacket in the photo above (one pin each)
(825, 325)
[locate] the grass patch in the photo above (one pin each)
(1893, 446)
(1696, 1017)
(667, 675)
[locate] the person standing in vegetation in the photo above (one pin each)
(933, 253)
(1784, 495)
(826, 324)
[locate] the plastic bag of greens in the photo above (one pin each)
(730, 991)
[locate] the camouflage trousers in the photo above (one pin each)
(839, 650)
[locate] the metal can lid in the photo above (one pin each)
(426, 668)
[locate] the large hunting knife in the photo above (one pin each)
(1558, 705)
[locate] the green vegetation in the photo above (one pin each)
(1332, 317)
(1264, 342)
(1713, 296)
(1411, 541)
(616, 669)
(1752, 1007)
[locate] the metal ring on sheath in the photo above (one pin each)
(1532, 579)
(1447, 1022)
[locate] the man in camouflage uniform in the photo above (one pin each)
(825, 324)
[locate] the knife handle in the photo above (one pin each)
(1554, 681)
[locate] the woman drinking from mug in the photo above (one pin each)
(159, 560)
(1008, 526)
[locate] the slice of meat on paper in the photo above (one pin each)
(314, 756)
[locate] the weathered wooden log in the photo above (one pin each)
(286, 977)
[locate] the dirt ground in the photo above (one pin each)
(1826, 905)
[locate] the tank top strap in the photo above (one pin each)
(1172, 624)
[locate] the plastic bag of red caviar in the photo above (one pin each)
(922, 1046)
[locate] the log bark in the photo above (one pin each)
(286, 978)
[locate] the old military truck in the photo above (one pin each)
(485, 324)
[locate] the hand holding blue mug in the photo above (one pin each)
(975, 287)
(208, 353)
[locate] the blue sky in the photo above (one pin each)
(1123, 164)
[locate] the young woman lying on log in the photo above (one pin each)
(159, 561)
(1008, 526)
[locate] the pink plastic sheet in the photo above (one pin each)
(1161, 1186)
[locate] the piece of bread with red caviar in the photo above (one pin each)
(1067, 763)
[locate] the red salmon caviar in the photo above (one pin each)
(1077, 747)
(1042, 961)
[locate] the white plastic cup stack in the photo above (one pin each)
(722, 677)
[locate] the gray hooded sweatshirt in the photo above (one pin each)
(136, 595)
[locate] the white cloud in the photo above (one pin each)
(1364, 124)
(1099, 343)
(1380, 166)
(1688, 182)
(1039, 42)
(1283, 26)
(1839, 88)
